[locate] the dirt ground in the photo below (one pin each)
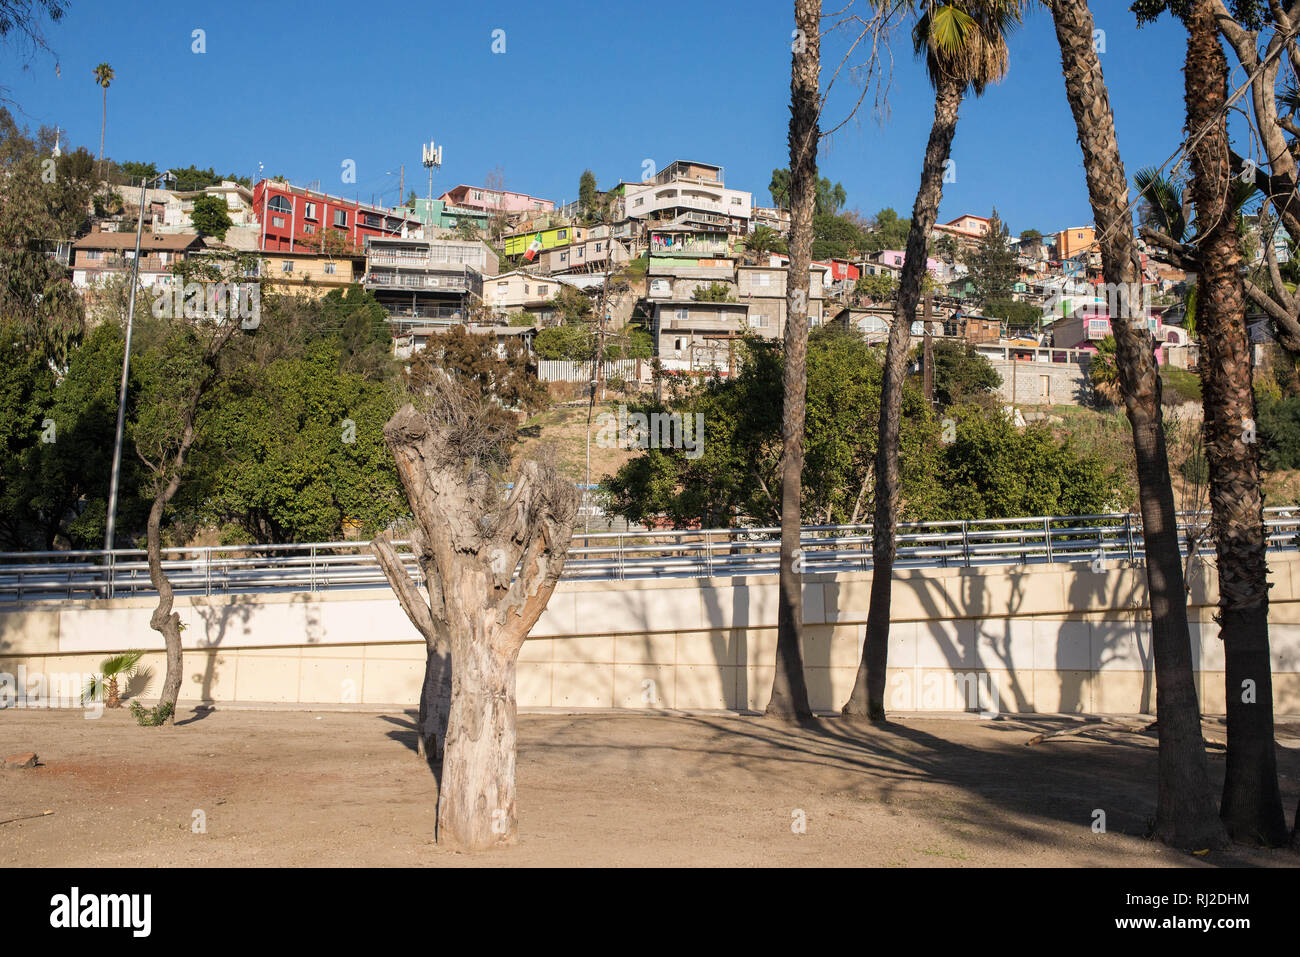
(343, 789)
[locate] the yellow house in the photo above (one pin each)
(311, 274)
(517, 244)
(1075, 241)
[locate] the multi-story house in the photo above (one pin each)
(763, 290)
(772, 217)
(291, 217)
(690, 192)
(99, 255)
(427, 279)
(438, 214)
(697, 336)
(1074, 242)
(516, 245)
(178, 207)
(595, 253)
(495, 201)
(516, 292)
(311, 274)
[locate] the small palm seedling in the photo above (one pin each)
(103, 686)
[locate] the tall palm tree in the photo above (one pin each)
(1184, 804)
(1252, 804)
(103, 76)
(789, 689)
(964, 46)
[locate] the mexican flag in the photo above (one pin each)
(534, 248)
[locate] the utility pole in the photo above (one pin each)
(109, 527)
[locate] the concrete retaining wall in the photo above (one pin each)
(1048, 638)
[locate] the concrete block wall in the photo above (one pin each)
(1046, 638)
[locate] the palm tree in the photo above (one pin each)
(103, 76)
(760, 242)
(789, 689)
(125, 665)
(1184, 804)
(964, 45)
(1252, 805)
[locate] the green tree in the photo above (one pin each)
(211, 216)
(882, 287)
(587, 196)
(779, 188)
(992, 263)
(962, 376)
(36, 292)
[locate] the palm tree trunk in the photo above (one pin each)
(868, 696)
(103, 128)
(789, 689)
(1184, 804)
(1252, 803)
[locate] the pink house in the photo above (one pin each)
(894, 258)
(495, 200)
(1088, 326)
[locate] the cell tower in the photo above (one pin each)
(431, 156)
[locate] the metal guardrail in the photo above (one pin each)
(606, 556)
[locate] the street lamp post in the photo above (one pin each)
(121, 397)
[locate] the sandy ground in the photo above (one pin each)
(346, 788)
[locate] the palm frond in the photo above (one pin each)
(123, 664)
(1165, 199)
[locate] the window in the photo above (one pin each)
(371, 220)
(477, 194)
(762, 279)
(94, 255)
(562, 234)
(277, 220)
(308, 228)
(541, 290)
(309, 210)
(564, 257)
(682, 313)
(330, 268)
(341, 217)
(640, 200)
(735, 201)
(279, 204)
(597, 247)
(677, 345)
(286, 267)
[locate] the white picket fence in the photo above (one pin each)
(566, 370)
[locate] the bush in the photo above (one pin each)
(1279, 433)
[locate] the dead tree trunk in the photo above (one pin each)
(435, 692)
(492, 565)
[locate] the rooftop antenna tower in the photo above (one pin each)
(431, 157)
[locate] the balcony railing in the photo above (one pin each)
(402, 281)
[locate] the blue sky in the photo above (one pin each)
(302, 87)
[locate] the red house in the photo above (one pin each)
(841, 269)
(294, 219)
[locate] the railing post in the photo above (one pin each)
(965, 542)
(1128, 535)
(312, 572)
(621, 570)
(708, 555)
(1047, 538)
(207, 566)
(112, 573)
